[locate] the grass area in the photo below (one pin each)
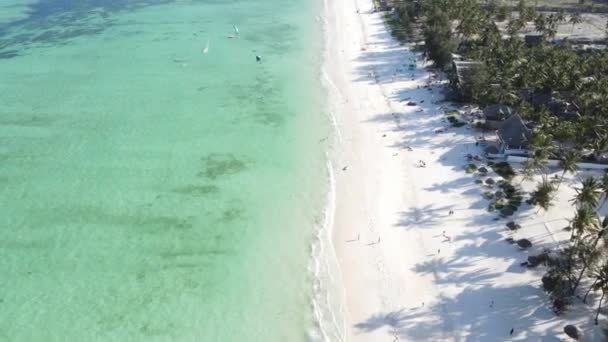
(455, 122)
(512, 197)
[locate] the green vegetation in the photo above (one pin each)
(396, 28)
(503, 169)
(471, 168)
(455, 122)
(573, 83)
(512, 193)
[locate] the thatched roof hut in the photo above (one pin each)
(524, 243)
(513, 133)
(498, 112)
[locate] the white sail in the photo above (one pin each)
(206, 49)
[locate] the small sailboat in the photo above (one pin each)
(236, 29)
(206, 49)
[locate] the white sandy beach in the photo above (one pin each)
(402, 280)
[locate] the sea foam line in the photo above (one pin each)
(325, 263)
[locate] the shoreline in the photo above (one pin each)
(364, 155)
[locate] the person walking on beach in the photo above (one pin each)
(511, 332)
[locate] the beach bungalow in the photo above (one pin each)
(514, 136)
(496, 114)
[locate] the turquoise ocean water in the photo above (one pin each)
(151, 191)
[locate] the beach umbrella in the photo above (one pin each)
(513, 226)
(490, 181)
(483, 170)
(572, 331)
(524, 243)
(507, 211)
(534, 261)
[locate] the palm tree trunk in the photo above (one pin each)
(585, 264)
(570, 260)
(597, 314)
(589, 291)
(580, 276)
(561, 179)
(603, 201)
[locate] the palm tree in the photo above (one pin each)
(604, 187)
(543, 194)
(526, 12)
(540, 146)
(540, 22)
(601, 283)
(588, 252)
(583, 220)
(568, 164)
(600, 143)
(575, 19)
(589, 290)
(588, 195)
(514, 26)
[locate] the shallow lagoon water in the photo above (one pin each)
(150, 191)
